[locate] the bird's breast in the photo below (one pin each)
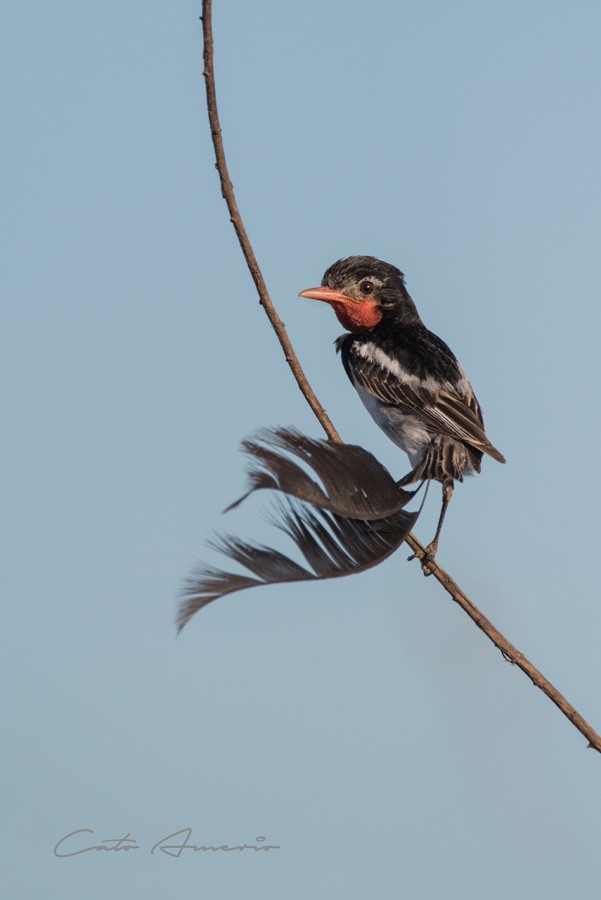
(403, 427)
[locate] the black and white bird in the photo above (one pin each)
(408, 378)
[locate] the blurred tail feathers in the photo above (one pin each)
(350, 522)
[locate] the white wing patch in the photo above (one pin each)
(374, 354)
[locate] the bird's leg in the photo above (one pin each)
(428, 557)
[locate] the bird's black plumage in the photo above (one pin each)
(407, 377)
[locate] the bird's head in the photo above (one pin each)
(362, 291)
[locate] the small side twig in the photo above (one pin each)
(510, 653)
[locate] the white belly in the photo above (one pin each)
(403, 428)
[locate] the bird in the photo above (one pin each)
(408, 378)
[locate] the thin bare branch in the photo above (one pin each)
(227, 190)
(511, 653)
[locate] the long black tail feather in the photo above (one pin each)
(355, 522)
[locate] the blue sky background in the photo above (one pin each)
(365, 726)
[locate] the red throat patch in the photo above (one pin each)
(354, 316)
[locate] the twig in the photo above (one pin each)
(511, 653)
(227, 191)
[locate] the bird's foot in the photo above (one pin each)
(427, 560)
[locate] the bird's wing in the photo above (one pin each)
(442, 411)
(464, 420)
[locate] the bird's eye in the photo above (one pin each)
(367, 287)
